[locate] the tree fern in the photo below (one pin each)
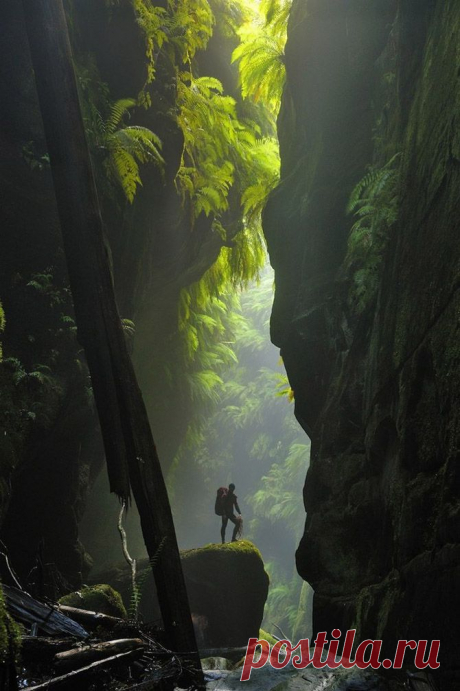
(261, 54)
(276, 13)
(262, 69)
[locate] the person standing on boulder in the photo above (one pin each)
(230, 503)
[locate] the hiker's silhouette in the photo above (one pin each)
(230, 502)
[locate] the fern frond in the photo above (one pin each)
(117, 112)
(374, 203)
(128, 146)
(125, 170)
(205, 386)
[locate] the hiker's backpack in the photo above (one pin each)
(220, 501)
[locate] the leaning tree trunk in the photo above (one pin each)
(132, 459)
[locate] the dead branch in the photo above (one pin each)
(81, 657)
(91, 619)
(131, 562)
(84, 675)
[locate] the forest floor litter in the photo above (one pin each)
(67, 648)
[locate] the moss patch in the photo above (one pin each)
(240, 546)
(264, 636)
(10, 640)
(97, 598)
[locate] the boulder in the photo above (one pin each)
(96, 598)
(227, 587)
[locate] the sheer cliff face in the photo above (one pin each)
(376, 384)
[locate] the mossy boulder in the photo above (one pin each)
(228, 587)
(96, 598)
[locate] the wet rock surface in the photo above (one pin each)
(376, 387)
(290, 679)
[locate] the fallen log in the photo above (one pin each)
(91, 619)
(82, 678)
(29, 611)
(81, 657)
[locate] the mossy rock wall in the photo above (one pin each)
(377, 389)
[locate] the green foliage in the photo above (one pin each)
(265, 174)
(40, 374)
(118, 149)
(228, 167)
(276, 499)
(125, 147)
(205, 385)
(36, 160)
(248, 431)
(224, 158)
(193, 21)
(219, 152)
(281, 608)
(374, 203)
(263, 635)
(231, 15)
(210, 126)
(261, 54)
(10, 638)
(276, 14)
(154, 24)
(180, 29)
(38, 392)
(138, 588)
(129, 328)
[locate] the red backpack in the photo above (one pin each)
(220, 501)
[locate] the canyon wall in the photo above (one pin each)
(50, 447)
(368, 322)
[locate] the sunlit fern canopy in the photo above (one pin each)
(261, 54)
(228, 166)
